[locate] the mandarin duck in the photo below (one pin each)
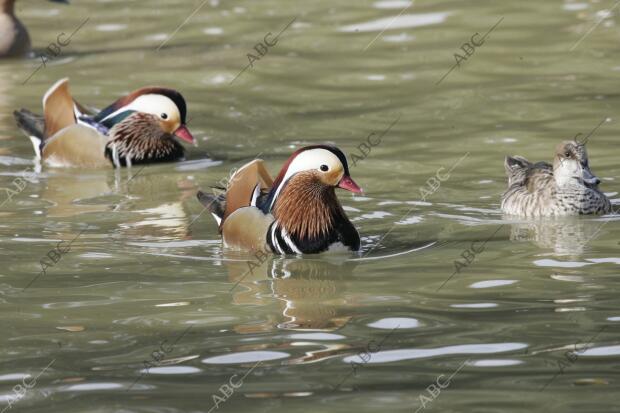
(297, 213)
(139, 128)
(568, 187)
(14, 38)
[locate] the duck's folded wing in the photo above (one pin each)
(76, 145)
(538, 176)
(245, 185)
(524, 173)
(246, 229)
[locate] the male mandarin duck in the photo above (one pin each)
(139, 128)
(568, 187)
(14, 38)
(297, 213)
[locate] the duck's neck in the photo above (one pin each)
(7, 6)
(569, 182)
(307, 209)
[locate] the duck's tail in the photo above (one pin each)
(516, 168)
(216, 204)
(33, 126)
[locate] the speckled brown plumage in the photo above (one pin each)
(566, 188)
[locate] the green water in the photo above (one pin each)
(144, 311)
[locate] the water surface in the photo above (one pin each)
(147, 313)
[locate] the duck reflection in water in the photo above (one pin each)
(310, 291)
(569, 236)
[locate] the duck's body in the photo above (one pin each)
(297, 213)
(139, 128)
(565, 188)
(14, 38)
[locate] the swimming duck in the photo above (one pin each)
(297, 213)
(136, 129)
(14, 38)
(568, 187)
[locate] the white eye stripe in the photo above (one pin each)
(151, 104)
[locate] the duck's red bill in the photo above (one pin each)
(349, 184)
(184, 134)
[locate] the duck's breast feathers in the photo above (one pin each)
(139, 139)
(311, 217)
(245, 185)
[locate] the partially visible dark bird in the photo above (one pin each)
(14, 38)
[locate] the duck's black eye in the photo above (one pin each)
(164, 116)
(324, 168)
(567, 154)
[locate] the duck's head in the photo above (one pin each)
(317, 166)
(166, 107)
(303, 196)
(571, 165)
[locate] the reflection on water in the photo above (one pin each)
(151, 263)
(401, 21)
(407, 354)
(69, 195)
(564, 236)
(309, 292)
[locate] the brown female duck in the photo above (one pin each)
(568, 187)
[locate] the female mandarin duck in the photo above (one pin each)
(567, 188)
(297, 213)
(136, 129)
(14, 38)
